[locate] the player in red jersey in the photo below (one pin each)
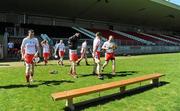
(46, 51)
(29, 50)
(73, 56)
(83, 53)
(61, 51)
(96, 54)
(109, 46)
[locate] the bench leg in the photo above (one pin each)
(155, 81)
(122, 89)
(69, 104)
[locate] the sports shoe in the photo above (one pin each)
(100, 77)
(113, 73)
(28, 83)
(94, 73)
(78, 64)
(31, 80)
(102, 70)
(74, 75)
(58, 62)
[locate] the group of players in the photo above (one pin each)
(30, 49)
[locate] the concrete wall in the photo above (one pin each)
(146, 49)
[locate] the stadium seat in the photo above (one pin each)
(124, 40)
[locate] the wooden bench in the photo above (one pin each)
(70, 94)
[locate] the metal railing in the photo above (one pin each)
(1, 51)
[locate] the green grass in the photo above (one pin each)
(16, 96)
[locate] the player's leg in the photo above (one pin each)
(113, 67)
(45, 56)
(32, 72)
(28, 72)
(73, 58)
(95, 64)
(45, 61)
(62, 57)
(107, 57)
(79, 60)
(94, 68)
(70, 59)
(59, 53)
(85, 57)
(98, 68)
(74, 69)
(104, 65)
(113, 64)
(70, 72)
(28, 61)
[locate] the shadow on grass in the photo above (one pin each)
(4, 65)
(54, 82)
(68, 65)
(125, 72)
(18, 86)
(46, 65)
(42, 82)
(85, 65)
(117, 96)
(109, 76)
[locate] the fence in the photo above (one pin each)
(1, 51)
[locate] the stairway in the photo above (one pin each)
(45, 37)
(87, 32)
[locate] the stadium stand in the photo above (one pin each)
(175, 36)
(165, 41)
(148, 38)
(123, 39)
(135, 38)
(142, 36)
(171, 36)
(52, 31)
(3, 25)
(170, 39)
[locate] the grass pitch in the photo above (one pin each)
(16, 96)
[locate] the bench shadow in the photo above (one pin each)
(41, 82)
(112, 97)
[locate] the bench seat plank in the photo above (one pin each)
(96, 88)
